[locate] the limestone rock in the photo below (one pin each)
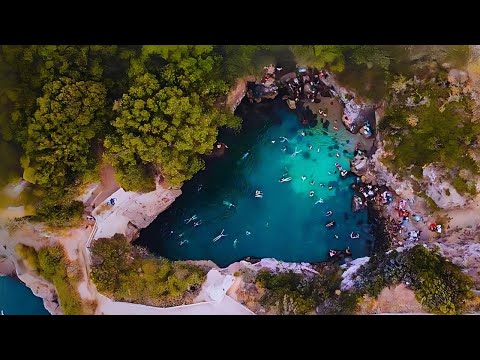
(444, 195)
(359, 164)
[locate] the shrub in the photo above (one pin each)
(292, 293)
(439, 285)
(51, 263)
(119, 271)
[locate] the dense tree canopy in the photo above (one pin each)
(58, 146)
(167, 122)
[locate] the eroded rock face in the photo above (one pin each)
(444, 195)
(357, 203)
(359, 164)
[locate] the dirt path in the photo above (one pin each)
(108, 185)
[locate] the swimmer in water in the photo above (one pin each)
(322, 185)
(328, 213)
(219, 236)
(318, 150)
(330, 187)
(283, 139)
(199, 187)
(303, 133)
(296, 152)
(312, 182)
(187, 221)
(329, 173)
(196, 223)
(183, 242)
(336, 236)
(304, 177)
(235, 243)
(247, 232)
(319, 201)
(312, 193)
(337, 155)
(284, 148)
(310, 147)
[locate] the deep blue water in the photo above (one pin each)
(17, 299)
(286, 223)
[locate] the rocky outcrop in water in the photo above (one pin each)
(359, 164)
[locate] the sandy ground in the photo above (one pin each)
(398, 299)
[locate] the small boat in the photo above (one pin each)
(328, 213)
(330, 224)
(343, 173)
(282, 180)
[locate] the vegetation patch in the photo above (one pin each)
(439, 285)
(124, 273)
(289, 293)
(51, 263)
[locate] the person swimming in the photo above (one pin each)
(283, 179)
(273, 141)
(247, 232)
(312, 182)
(318, 149)
(337, 155)
(196, 223)
(310, 147)
(228, 203)
(235, 242)
(304, 177)
(199, 187)
(303, 133)
(335, 128)
(319, 201)
(328, 213)
(216, 238)
(245, 155)
(354, 235)
(329, 173)
(322, 185)
(258, 194)
(337, 165)
(283, 139)
(296, 152)
(187, 221)
(330, 224)
(183, 242)
(343, 173)
(330, 187)
(336, 236)
(284, 148)
(312, 193)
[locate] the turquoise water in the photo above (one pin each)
(286, 223)
(17, 299)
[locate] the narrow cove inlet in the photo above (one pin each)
(218, 217)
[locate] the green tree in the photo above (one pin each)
(59, 141)
(166, 122)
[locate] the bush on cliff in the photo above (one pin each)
(296, 294)
(51, 263)
(439, 285)
(120, 272)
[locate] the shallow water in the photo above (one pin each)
(286, 223)
(17, 299)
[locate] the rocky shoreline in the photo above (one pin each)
(140, 210)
